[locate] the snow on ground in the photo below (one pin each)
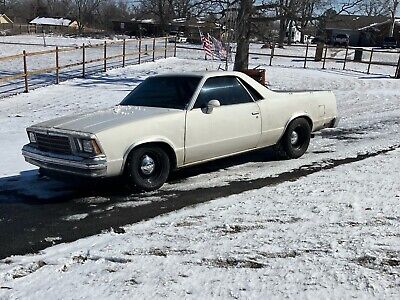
(329, 235)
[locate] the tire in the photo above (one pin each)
(296, 139)
(42, 172)
(148, 168)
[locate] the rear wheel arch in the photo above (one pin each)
(299, 116)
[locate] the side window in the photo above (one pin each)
(226, 89)
(256, 95)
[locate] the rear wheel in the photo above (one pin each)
(296, 139)
(148, 168)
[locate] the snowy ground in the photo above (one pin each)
(331, 234)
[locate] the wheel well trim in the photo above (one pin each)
(295, 116)
(157, 140)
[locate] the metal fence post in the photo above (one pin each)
(305, 58)
(345, 58)
(123, 53)
(272, 54)
(25, 72)
(57, 67)
(140, 51)
(105, 56)
(326, 51)
(370, 61)
(154, 48)
(83, 60)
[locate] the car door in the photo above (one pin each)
(233, 127)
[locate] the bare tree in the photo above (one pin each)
(393, 6)
(84, 10)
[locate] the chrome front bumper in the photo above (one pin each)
(71, 164)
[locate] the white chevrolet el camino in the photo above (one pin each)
(177, 120)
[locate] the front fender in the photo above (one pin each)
(154, 139)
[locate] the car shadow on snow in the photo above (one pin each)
(30, 188)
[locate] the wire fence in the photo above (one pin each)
(349, 58)
(27, 70)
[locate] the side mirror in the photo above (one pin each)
(210, 106)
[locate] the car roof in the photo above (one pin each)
(202, 74)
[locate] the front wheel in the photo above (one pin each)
(296, 139)
(148, 168)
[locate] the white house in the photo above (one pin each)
(44, 21)
(296, 34)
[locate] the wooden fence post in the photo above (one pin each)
(345, 58)
(140, 50)
(272, 54)
(57, 67)
(165, 45)
(154, 48)
(326, 51)
(397, 75)
(25, 72)
(370, 61)
(105, 56)
(176, 38)
(123, 53)
(305, 58)
(83, 60)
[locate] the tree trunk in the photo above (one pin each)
(243, 35)
(393, 17)
(282, 31)
(290, 32)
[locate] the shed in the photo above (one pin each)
(5, 20)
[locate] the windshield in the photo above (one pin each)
(164, 91)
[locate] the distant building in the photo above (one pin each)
(296, 34)
(57, 22)
(150, 27)
(353, 26)
(374, 34)
(4, 19)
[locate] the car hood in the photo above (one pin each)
(97, 121)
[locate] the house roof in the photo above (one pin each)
(4, 16)
(353, 22)
(51, 21)
(374, 25)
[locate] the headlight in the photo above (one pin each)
(88, 146)
(32, 137)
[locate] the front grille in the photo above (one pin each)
(53, 143)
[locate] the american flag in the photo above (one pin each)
(219, 49)
(207, 44)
